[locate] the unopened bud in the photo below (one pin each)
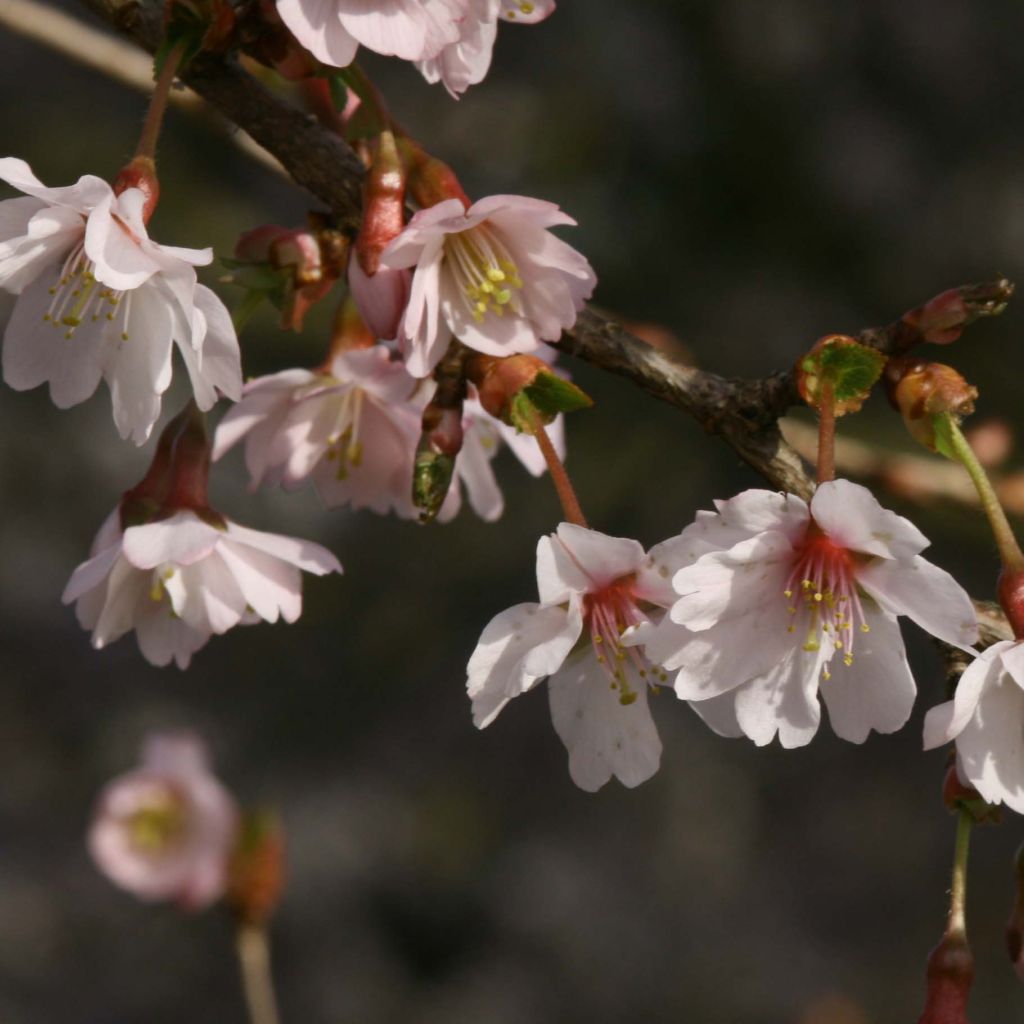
(504, 384)
(1010, 591)
(958, 796)
(140, 173)
(950, 974)
(922, 390)
(430, 181)
(942, 320)
(440, 444)
(256, 870)
(349, 331)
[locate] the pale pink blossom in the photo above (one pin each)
(177, 581)
(593, 590)
(351, 428)
(493, 276)
(778, 601)
(986, 719)
(483, 437)
(332, 30)
(166, 830)
(466, 61)
(98, 299)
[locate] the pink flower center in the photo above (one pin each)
(78, 296)
(822, 591)
(484, 271)
(607, 614)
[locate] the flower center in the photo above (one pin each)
(822, 592)
(343, 444)
(607, 614)
(158, 823)
(78, 296)
(484, 271)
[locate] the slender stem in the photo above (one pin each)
(254, 959)
(158, 103)
(826, 435)
(1009, 549)
(563, 485)
(957, 924)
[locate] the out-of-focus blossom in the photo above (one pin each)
(985, 720)
(593, 590)
(166, 830)
(97, 298)
(493, 275)
(352, 428)
(178, 580)
(779, 600)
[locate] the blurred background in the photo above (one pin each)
(751, 176)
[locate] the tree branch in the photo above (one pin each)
(744, 413)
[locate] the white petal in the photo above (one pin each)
(473, 467)
(518, 647)
(756, 511)
(944, 723)
(603, 736)
(719, 714)
(783, 700)
(990, 749)
(303, 553)
(851, 516)
(877, 690)
(120, 261)
(183, 539)
(270, 586)
(728, 585)
(924, 593)
(601, 558)
(91, 574)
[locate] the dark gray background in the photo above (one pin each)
(751, 174)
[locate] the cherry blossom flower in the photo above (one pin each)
(332, 30)
(494, 276)
(352, 428)
(984, 718)
(593, 589)
(779, 601)
(165, 830)
(466, 61)
(178, 580)
(483, 436)
(97, 298)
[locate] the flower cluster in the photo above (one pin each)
(757, 607)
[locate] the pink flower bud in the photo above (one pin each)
(165, 831)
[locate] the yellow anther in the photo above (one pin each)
(848, 660)
(865, 628)
(812, 645)
(817, 597)
(787, 593)
(495, 274)
(791, 629)
(826, 675)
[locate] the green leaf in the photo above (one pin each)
(551, 394)
(843, 367)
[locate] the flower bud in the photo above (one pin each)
(140, 173)
(1010, 591)
(256, 869)
(958, 796)
(921, 390)
(348, 331)
(430, 181)
(941, 320)
(950, 974)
